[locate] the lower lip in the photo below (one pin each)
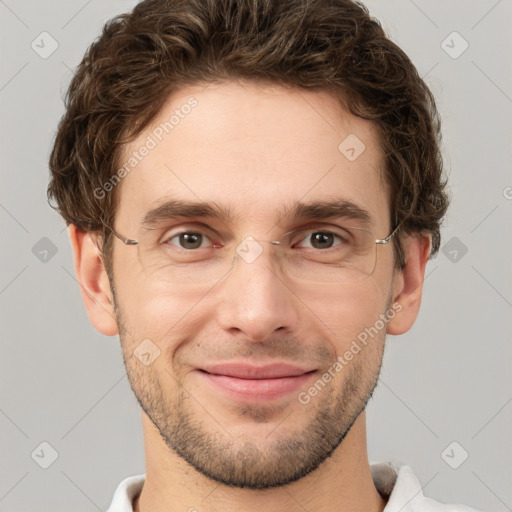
(256, 389)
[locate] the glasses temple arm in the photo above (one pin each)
(127, 241)
(388, 238)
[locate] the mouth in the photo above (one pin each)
(244, 382)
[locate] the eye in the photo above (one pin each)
(323, 239)
(189, 240)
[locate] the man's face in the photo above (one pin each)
(255, 151)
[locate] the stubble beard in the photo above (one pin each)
(183, 423)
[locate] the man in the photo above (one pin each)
(253, 190)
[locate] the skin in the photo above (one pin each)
(253, 147)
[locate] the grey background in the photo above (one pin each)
(446, 380)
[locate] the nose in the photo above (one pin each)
(256, 298)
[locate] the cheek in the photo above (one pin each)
(158, 322)
(346, 313)
(359, 312)
(347, 304)
(154, 310)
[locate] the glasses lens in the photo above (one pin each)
(185, 258)
(337, 255)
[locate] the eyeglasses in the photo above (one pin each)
(335, 254)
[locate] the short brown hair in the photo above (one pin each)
(162, 45)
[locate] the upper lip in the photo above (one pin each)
(246, 371)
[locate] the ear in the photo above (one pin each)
(93, 280)
(408, 283)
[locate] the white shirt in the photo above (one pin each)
(396, 483)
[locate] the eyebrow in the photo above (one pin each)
(176, 208)
(326, 209)
(315, 210)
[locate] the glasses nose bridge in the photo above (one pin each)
(251, 248)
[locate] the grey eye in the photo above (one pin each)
(321, 240)
(189, 240)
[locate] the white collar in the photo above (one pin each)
(396, 483)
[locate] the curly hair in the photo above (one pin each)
(161, 45)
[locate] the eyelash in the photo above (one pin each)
(308, 232)
(167, 240)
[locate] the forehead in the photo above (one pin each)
(252, 149)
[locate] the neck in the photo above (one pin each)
(342, 483)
